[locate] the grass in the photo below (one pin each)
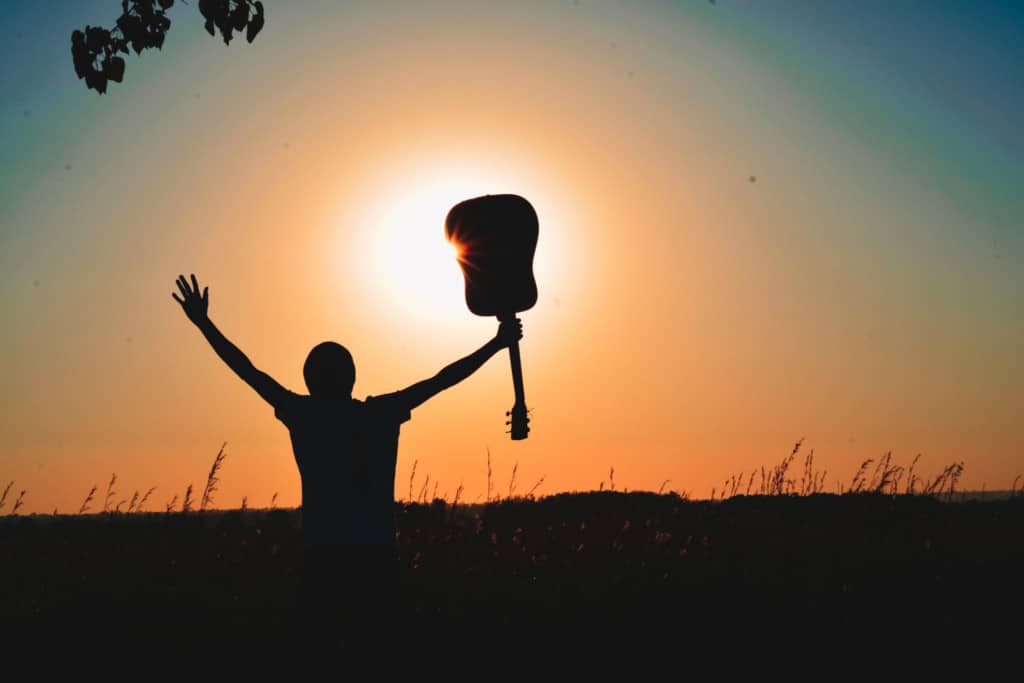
(111, 493)
(3, 496)
(781, 547)
(881, 476)
(211, 479)
(886, 477)
(607, 559)
(88, 499)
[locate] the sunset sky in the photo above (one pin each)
(760, 220)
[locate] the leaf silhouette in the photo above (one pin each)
(96, 38)
(80, 54)
(143, 24)
(114, 68)
(96, 81)
(256, 24)
(240, 17)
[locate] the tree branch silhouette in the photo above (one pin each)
(142, 25)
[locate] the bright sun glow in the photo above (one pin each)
(394, 248)
(407, 256)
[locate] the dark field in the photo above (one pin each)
(594, 569)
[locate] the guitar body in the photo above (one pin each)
(496, 237)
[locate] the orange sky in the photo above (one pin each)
(692, 324)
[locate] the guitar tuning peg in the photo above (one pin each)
(508, 422)
(507, 413)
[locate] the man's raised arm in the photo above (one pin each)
(196, 306)
(451, 375)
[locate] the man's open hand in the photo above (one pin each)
(194, 304)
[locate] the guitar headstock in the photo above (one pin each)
(518, 422)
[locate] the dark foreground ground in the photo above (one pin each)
(589, 570)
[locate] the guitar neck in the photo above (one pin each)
(518, 416)
(517, 373)
(517, 366)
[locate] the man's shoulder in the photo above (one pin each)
(288, 397)
(392, 407)
(287, 404)
(379, 401)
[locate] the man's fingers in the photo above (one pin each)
(183, 288)
(510, 332)
(183, 283)
(206, 295)
(177, 298)
(195, 284)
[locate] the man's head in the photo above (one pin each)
(329, 371)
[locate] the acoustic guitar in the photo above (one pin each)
(496, 237)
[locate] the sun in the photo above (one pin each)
(404, 255)
(393, 243)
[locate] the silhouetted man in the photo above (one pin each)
(346, 451)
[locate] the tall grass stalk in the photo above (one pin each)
(18, 502)
(412, 477)
(212, 479)
(512, 481)
(88, 499)
(3, 496)
(145, 497)
(110, 493)
(489, 474)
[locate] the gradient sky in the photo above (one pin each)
(865, 292)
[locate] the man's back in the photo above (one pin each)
(346, 451)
